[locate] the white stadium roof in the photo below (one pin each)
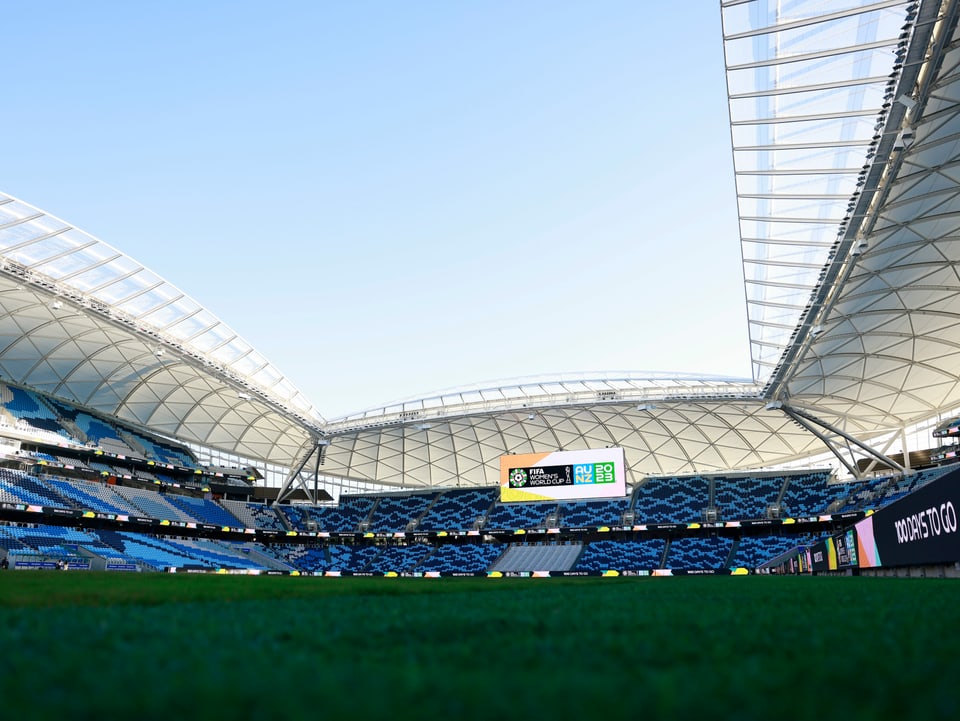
(84, 322)
(845, 125)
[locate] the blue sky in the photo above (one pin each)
(391, 198)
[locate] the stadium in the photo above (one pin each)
(182, 504)
(136, 417)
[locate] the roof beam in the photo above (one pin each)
(814, 20)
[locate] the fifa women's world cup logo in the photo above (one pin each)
(518, 478)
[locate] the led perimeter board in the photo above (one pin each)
(563, 475)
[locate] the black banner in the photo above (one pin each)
(66, 512)
(820, 555)
(126, 567)
(664, 526)
(921, 528)
(760, 522)
(846, 546)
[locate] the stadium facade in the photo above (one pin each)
(845, 136)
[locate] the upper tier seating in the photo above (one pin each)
(297, 516)
(103, 434)
(745, 497)
(29, 407)
(508, 516)
(254, 515)
(347, 516)
(458, 509)
(672, 499)
(576, 514)
(881, 491)
(394, 513)
(164, 452)
(809, 494)
(922, 478)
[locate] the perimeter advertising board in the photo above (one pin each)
(823, 555)
(922, 528)
(563, 475)
(846, 545)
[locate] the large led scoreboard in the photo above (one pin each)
(563, 475)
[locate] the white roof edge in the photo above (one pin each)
(579, 388)
(280, 389)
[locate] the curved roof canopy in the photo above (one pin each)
(666, 424)
(807, 82)
(84, 322)
(887, 323)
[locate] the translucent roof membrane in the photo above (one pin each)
(74, 260)
(665, 424)
(806, 82)
(570, 388)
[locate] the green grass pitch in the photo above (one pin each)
(104, 646)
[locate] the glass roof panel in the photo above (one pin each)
(16, 242)
(801, 160)
(241, 355)
(787, 38)
(829, 101)
(55, 250)
(744, 17)
(796, 185)
(852, 69)
(787, 207)
(13, 210)
(806, 81)
(44, 254)
(839, 131)
(131, 294)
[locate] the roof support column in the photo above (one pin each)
(810, 422)
(317, 448)
(886, 448)
(906, 450)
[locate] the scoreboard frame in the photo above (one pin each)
(563, 475)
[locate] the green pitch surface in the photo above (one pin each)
(88, 645)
